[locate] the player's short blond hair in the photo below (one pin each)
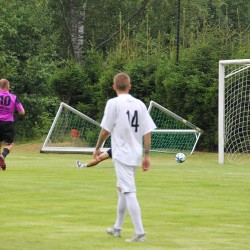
(121, 81)
(4, 84)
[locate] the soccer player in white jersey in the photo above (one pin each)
(129, 123)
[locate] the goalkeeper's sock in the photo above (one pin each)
(121, 211)
(5, 152)
(135, 212)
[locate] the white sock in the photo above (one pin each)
(121, 211)
(134, 211)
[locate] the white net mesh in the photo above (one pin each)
(237, 111)
(174, 134)
(72, 131)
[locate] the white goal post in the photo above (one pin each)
(74, 132)
(173, 134)
(234, 110)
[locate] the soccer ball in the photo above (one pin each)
(180, 157)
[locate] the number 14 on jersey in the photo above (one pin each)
(133, 121)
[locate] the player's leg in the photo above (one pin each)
(135, 214)
(1, 135)
(8, 138)
(120, 215)
(103, 156)
(7, 148)
(126, 182)
(2, 162)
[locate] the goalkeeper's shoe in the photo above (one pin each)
(114, 232)
(137, 238)
(80, 165)
(2, 163)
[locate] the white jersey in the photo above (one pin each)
(128, 120)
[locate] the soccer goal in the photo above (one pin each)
(234, 110)
(173, 134)
(72, 132)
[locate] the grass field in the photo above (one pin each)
(47, 203)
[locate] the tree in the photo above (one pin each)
(74, 16)
(68, 82)
(27, 44)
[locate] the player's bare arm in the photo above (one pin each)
(22, 112)
(147, 145)
(104, 134)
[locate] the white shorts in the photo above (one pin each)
(125, 175)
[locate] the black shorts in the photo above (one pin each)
(7, 132)
(109, 153)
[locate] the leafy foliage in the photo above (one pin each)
(138, 37)
(68, 81)
(38, 119)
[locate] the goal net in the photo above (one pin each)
(234, 110)
(173, 134)
(72, 132)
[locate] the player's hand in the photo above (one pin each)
(96, 154)
(146, 163)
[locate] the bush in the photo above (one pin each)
(40, 112)
(68, 82)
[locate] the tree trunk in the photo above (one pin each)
(74, 19)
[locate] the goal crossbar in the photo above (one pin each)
(175, 116)
(70, 150)
(176, 133)
(56, 149)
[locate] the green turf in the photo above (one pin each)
(47, 203)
